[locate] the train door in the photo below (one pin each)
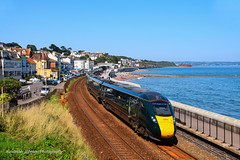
(133, 108)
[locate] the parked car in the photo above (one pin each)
(34, 79)
(50, 82)
(23, 81)
(45, 90)
(56, 81)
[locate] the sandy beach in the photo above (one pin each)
(123, 76)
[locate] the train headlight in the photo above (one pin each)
(154, 119)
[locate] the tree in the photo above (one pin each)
(63, 48)
(80, 51)
(13, 44)
(53, 47)
(84, 57)
(10, 88)
(45, 49)
(33, 49)
(100, 60)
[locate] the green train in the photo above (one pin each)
(149, 113)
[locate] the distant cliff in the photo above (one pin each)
(154, 64)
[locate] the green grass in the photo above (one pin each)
(46, 148)
(71, 82)
(42, 132)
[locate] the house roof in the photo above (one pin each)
(10, 55)
(41, 56)
(23, 51)
(45, 56)
(31, 61)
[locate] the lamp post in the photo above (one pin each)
(2, 103)
(59, 67)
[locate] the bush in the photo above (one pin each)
(6, 97)
(38, 76)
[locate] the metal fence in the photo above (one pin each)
(39, 100)
(223, 128)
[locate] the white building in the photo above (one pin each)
(10, 65)
(89, 65)
(79, 64)
(66, 65)
(75, 54)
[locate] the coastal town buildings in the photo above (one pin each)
(19, 63)
(10, 65)
(31, 67)
(78, 64)
(24, 60)
(66, 65)
(46, 67)
(20, 51)
(89, 65)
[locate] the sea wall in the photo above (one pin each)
(223, 130)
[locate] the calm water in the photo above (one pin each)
(216, 94)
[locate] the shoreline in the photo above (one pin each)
(124, 76)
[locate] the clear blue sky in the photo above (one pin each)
(171, 30)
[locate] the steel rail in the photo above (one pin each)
(175, 155)
(118, 154)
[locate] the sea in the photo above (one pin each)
(215, 88)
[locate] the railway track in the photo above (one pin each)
(176, 153)
(122, 149)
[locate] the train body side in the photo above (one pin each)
(94, 87)
(135, 108)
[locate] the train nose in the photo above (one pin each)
(166, 126)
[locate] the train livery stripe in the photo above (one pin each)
(166, 126)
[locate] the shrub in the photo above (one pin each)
(6, 97)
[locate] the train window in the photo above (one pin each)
(155, 96)
(121, 99)
(161, 108)
(109, 93)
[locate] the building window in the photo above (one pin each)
(18, 73)
(11, 73)
(5, 73)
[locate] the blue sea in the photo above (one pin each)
(218, 92)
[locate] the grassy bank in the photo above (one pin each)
(42, 132)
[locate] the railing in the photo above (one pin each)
(223, 128)
(39, 100)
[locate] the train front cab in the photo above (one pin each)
(161, 118)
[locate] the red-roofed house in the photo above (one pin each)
(45, 66)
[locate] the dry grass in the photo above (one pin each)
(48, 120)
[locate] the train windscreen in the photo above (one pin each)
(161, 108)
